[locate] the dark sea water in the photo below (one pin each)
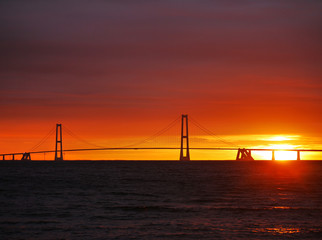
(161, 200)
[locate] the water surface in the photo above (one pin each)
(160, 200)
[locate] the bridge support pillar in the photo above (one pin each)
(13, 157)
(184, 139)
(26, 157)
(244, 155)
(59, 144)
(298, 155)
(3, 157)
(273, 155)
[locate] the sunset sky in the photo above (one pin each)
(116, 72)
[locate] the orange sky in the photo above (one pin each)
(115, 73)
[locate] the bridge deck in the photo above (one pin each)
(161, 148)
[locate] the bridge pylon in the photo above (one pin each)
(244, 155)
(59, 143)
(273, 155)
(298, 156)
(184, 150)
(26, 157)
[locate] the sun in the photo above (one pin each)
(284, 155)
(280, 155)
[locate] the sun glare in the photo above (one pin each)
(284, 155)
(279, 138)
(279, 153)
(281, 146)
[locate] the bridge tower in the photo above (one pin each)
(184, 139)
(26, 157)
(59, 143)
(244, 155)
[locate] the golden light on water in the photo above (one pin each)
(279, 230)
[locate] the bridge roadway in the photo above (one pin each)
(160, 148)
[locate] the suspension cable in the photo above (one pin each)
(197, 124)
(44, 139)
(70, 133)
(157, 134)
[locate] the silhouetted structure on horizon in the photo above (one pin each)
(184, 139)
(26, 157)
(243, 154)
(59, 143)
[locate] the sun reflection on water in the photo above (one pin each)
(283, 230)
(281, 207)
(278, 230)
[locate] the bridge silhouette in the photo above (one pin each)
(243, 154)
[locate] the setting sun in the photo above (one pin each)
(284, 155)
(279, 153)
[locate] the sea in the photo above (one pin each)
(160, 200)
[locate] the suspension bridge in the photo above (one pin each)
(243, 154)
